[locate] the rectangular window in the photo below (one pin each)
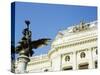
(67, 68)
(96, 64)
(83, 66)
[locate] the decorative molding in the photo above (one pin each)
(38, 62)
(70, 45)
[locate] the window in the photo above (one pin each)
(83, 66)
(45, 70)
(67, 58)
(82, 55)
(96, 64)
(67, 68)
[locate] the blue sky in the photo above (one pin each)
(48, 19)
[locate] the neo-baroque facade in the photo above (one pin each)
(74, 48)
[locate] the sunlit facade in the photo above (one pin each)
(74, 48)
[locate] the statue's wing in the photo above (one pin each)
(40, 43)
(20, 45)
(18, 49)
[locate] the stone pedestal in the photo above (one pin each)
(22, 64)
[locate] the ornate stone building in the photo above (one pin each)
(74, 48)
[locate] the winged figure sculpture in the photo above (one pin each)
(26, 44)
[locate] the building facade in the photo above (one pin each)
(74, 48)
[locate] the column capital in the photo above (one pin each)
(23, 58)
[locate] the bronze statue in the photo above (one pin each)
(26, 44)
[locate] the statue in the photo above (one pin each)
(26, 41)
(81, 27)
(24, 49)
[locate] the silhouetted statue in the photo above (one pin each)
(26, 44)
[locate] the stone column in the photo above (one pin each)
(22, 63)
(74, 61)
(90, 57)
(56, 63)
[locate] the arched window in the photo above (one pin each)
(67, 58)
(82, 55)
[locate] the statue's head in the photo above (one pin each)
(27, 23)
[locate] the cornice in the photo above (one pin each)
(38, 62)
(66, 45)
